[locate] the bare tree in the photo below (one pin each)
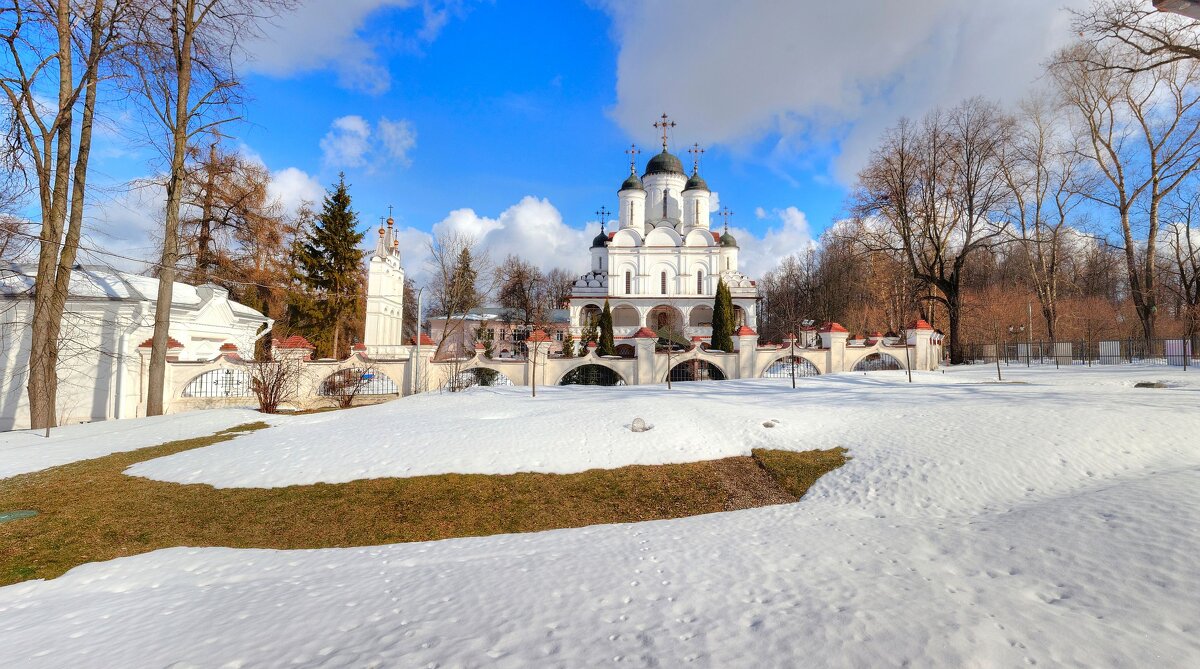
(1183, 244)
(523, 290)
(458, 270)
(184, 67)
(345, 385)
(1156, 37)
(1042, 170)
(64, 47)
(276, 380)
(1139, 134)
(932, 195)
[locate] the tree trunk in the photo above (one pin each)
(953, 313)
(170, 253)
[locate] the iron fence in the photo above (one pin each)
(1182, 353)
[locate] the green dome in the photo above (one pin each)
(600, 240)
(728, 240)
(695, 182)
(632, 183)
(664, 162)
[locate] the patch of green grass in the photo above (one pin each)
(796, 472)
(90, 511)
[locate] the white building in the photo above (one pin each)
(383, 333)
(661, 265)
(104, 346)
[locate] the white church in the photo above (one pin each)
(660, 267)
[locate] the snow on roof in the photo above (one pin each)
(105, 283)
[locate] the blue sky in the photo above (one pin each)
(508, 120)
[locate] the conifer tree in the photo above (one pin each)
(568, 350)
(606, 345)
(588, 334)
(722, 322)
(329, 273)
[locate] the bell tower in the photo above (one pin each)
(385, 295)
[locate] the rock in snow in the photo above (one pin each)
(975, 525)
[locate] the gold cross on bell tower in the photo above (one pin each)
(696, 152)
(664, 125)
(632, 152)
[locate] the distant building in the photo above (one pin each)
(660, 267)
(1189, 8)
(104, 346)
(504, 327)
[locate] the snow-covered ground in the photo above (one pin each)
(1051, 522)
(26, 451)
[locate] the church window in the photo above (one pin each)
(700, 282)
(628, 283)
(727, 263)
(664, 283)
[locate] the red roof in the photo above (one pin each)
(745, 331)
(645, 333)
(920, 324)
(425, 340)
(538, 335)
(592, 344)
(359, 347)
(833, 327)
(716, 237)
(229, 346)
(294, 341)
(611, 235)
(171, 343)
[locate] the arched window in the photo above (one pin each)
(727, 263)
(664, 283)
(700, 282)
(628, 283)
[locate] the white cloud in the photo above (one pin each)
(398, 138)
(345, 145)
(335, 35)
(839, 71)
(759, 255)
(293, 187)
(351, 142)
(760, 213)
(532, 229)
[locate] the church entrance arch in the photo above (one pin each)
(878, 362)
(589, 314)
(476, 376)
(700, 316)
(696, 370)
(591, 375)
(785, 368)
(625, 316)
(664, 317)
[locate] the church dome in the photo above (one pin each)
(695, 182)
(728, 240)
(600, 240)
(632, 183)
(664, 162)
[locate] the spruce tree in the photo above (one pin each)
(329, 271)
(568, 350)
(722, 322)
(606, 345)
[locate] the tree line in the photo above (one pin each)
(1079, 205)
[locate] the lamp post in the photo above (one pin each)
(1016, 331)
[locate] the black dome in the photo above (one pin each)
(695, 182)
(600, 240)
(632, 183)
(664, 162)
(728, 240)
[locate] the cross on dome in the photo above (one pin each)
(603, 213)
(696, 152)
(726, 214)
(664, 125)
(632, 152)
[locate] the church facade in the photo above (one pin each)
(659, 269)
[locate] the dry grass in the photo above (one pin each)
(90, 511)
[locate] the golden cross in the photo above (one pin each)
(632, 152)
(664, 125)
(696, 152)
